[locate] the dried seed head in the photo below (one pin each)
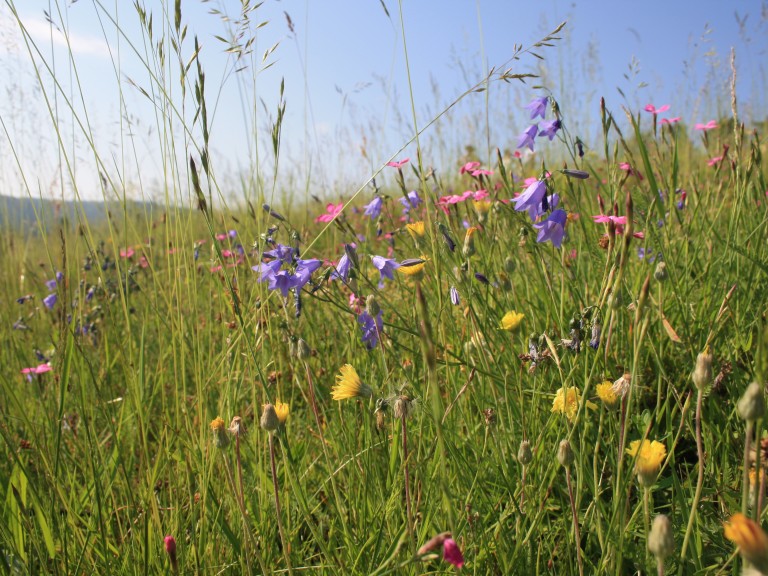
(524, 453)
(236, 427)
(269, 420)
(661, 541)
(702, 372)
(752, 404)
(403, 406)
(565, 454)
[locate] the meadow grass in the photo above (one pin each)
(494, 427)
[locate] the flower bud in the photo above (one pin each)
(524, 454)
(170, 549)
(302, 349)
(269, 420)
(661, 273)
(510, 264)
(455, 298)
(751, 405)
(661, 541)
(565, 454)
(702, 373)
(371, 306)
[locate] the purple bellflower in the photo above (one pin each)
(526, 138)
(538, 107)
(552, 229)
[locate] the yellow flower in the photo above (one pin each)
(413, 267)
(750, 538)
(511, 321)
(218, 425)
(567, 402)
(607, 395)
(650, 455)
(220, 438)
(482, 206)
(282, 409)
(349, 385)
(415, 229)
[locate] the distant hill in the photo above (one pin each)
(24, 212)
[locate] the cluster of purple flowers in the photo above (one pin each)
(371, 328)
(538, 107)
(283, 279)
(537, 203)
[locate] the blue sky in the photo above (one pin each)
(348, 107)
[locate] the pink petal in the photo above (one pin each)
(399, 164)
(469, 167)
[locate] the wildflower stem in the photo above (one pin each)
(647, 517)
(408, 512)
(286, 546)
(699, 482)
(745, 479)
(576, 533)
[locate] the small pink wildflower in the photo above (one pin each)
(221, 237)
(714, 161)
(127, 253)
(653, 110)
(711, 125)
(482, 172)
(627, 167)
(452, 553)
(332, 210)
(469, 167)
(674, 120)
(170, 549)
(399, 164)
(40, 369)
(604, 219)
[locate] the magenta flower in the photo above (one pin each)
(40, 369)
(552, 229)
(714, 161)
(331, 211)
(526, 138)
(170, 549)
(452, 553)
(711, 125)
(674, 120)
(399, 164)
(627, 167)
(549, 128)
(482, 172)
(537, 107)
(653, 110)
(469, 167)
(127, 253)
(604, 219)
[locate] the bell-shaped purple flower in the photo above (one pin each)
(526, 138)
(373, 208)
(371, 328)
(549, 128)
(342, 268)
(385, 266)
(552, 229)
(532, 197)
(538, 107)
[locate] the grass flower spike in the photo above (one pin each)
(349, 385)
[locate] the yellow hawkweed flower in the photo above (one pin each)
(482, 206)
(220, 438)
(416, 229)
(282, 409)
(567, 402)
(750, 538)
(650, 455)
(349, 385)
(511, 321)
(413, 267)
(607, 395)
(469, 242)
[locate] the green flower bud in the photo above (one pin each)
(565, 454)
(524, 454)
(751, 405)
(661, 541)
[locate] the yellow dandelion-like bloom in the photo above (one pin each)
(282, 409)
(750, 538)
(567, 402)
(413, 269)
(349, 385)
(607, 395)
(218, 425)
(650, 455)
(511, 321)
(482, 206)
(416, 229)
